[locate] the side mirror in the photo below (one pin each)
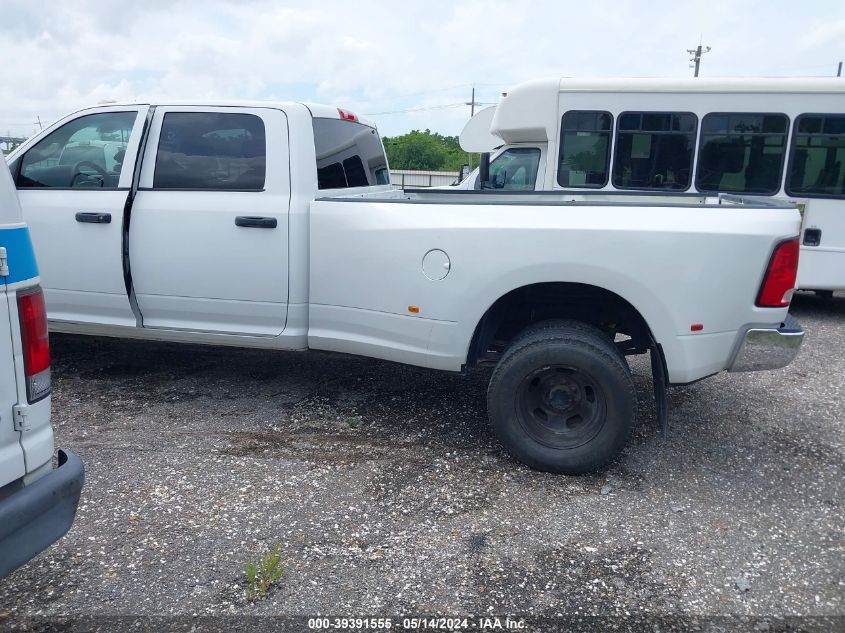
(483, 171)
(464, 172)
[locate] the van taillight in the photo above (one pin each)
(36, 344)
(779, 282)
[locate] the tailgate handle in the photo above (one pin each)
(94, 218)
(256, 222)
(812, 237)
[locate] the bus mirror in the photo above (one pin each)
(484, 169)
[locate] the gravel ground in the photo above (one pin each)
(388, 494)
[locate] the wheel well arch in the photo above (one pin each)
(531, 303)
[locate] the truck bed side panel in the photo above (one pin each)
(677, 265)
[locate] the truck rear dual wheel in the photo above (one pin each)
(561, 398)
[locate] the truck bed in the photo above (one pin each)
(679, 260)
(586, 198)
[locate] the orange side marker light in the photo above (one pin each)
(414, 309)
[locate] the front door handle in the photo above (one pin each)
(94, 218)
(256, 222)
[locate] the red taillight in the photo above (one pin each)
(36, 344)
(347, 116)
(779, 282)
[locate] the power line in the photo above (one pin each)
(420, 109)
(445, 106)
(422, 92)
(430, 91)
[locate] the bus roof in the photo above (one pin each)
(699, 84)
(528, 112)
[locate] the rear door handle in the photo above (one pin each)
(812, 237)
(256, 222)
(94, 218)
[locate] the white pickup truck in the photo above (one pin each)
(272, 226)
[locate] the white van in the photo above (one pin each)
(37, 501)
(783, 138)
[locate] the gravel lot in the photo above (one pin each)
(389, 495)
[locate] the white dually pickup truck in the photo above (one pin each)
(273, 226)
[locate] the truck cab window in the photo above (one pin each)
(817, 157)
(87, 152)
(584, 148)
(654, 150)
(349, 154)
(514, 169)
(741, 152)
(211, 150)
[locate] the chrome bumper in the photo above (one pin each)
(768, 348)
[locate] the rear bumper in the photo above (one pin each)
(762, 348)
(38, 515)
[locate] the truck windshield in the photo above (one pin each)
(349, 154)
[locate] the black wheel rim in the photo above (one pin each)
(561, 407)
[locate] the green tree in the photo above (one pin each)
(424, 150)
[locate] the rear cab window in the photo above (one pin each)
(349, 154)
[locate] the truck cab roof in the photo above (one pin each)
(317, 110)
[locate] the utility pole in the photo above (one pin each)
(695, 60)
(471, 103)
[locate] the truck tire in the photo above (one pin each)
(561, 398)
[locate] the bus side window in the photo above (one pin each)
(654, 150)
(741, 152)
(817, 157)
(584, 158)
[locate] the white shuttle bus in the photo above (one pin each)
(783, 138)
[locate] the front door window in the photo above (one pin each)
(87, 152)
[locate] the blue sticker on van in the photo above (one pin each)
(20, 254)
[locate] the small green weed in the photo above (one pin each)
(262, 574)
(353, 422)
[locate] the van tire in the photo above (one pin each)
(561, 399)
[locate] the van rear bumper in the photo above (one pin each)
(38, 515)
(763, 348)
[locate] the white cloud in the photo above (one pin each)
(380, 57)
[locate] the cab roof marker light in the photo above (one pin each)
(345, 115)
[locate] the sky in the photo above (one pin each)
(406, 65)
